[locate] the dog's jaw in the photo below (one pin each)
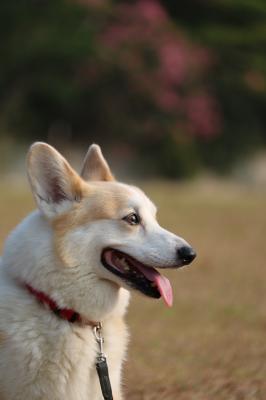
(138, 276)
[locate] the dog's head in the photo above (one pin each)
(104, 227)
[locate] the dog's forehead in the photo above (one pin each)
(105, 200)
(120, 196)
(139, 200)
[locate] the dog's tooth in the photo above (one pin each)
(124, 263)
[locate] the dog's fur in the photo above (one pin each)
(57, 250)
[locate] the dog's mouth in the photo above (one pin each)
(135, 274)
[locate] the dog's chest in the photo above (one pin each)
(75, 366)
(72, 364)
(59, 362)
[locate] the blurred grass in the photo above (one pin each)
(211, 344)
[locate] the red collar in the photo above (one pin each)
(63, 313)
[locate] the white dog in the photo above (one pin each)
(69, 266)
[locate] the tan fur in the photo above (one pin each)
(76, 182)
(97, 202)
(95, 167)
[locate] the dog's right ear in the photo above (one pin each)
(95, 166)
(55, 185)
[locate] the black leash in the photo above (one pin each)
(101, 365)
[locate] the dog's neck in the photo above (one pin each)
(64, 313)
(29, 256)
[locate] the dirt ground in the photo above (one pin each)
(211, 345)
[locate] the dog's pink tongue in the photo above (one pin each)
(163, 284)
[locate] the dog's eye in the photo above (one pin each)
(132, 219)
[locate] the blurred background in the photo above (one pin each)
(175, 93)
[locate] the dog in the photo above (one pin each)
(71, 265)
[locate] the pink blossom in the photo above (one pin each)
(151, 11)
(134, 23)
(203, 115)
(173, 62)
(160, 66)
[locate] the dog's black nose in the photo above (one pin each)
(186, 254)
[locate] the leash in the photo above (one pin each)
(101, 364)
(73, 317)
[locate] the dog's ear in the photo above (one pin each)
(55, 185)
(95, 167)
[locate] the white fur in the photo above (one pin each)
(43, 357)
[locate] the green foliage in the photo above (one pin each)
(43, 44)
(177, 85)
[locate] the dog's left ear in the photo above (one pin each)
(95, 167)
